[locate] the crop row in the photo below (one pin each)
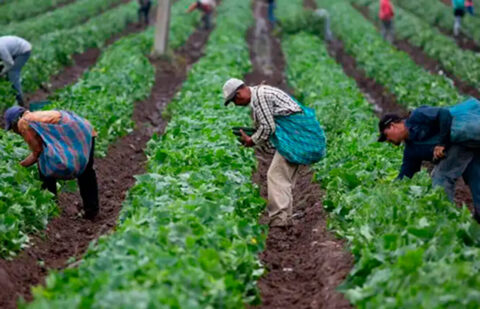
(18, 10)
(412, 248)
(440, 15)
(188, 235)
(388, 66)
(464, 64)
(105, 95)
(63, 18)
(54, 50)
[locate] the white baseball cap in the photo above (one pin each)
(230, 89)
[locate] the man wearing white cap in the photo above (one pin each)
(271, 107)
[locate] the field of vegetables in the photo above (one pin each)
(181, 218)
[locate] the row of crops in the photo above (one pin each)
(52, 50)
(413, 249)
(18, 10)
(104, 95)
(188, 235)
(464, 64)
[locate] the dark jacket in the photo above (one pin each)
(427, 127)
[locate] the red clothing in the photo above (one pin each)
(386, 10)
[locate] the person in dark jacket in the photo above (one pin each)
(426, 135)
(144, 10)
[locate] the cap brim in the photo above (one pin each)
(382, 138)
(229, 98)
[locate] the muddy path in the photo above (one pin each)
(305, 263)
(381, 98)
(69, 235)
(82, 62)
(423, 60)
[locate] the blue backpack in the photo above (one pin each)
(465, 128)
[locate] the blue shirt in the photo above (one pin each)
(427, 127)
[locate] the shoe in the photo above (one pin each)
(279, 222)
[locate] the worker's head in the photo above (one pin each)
(392, 129)
(237, 92)
(12, 115)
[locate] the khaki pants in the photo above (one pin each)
(281, 178)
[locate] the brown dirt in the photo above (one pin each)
(423, 60)
(69, 235)
(305, 262)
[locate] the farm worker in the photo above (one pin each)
(271, 11)
(458, 12)
(386, 17)
(144, 10)
(207, 7)
(62, 145)
(469, 7)
(294, 131)
(449, 137)
(14, 53)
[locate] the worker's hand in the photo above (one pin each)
(439, 152)
(246, 140)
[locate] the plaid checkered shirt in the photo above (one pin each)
(266, 103)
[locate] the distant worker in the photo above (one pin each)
(458, 12)
(386, 17)
(293, 130)
(63, 145)
(207, 7)
(469, 7)
(144, 11)
(14, 53)
(271, 12)
(447, 136)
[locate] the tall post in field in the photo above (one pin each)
(162, 28)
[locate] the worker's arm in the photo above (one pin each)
(411, 164)
(192, 7)
(444, 119)
(33, 140)
(265, 120)
(7, 60)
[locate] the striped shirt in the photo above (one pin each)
(268, 102)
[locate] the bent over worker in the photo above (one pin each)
(63, 145)
(447, 136)
(207, 7)
(280, 122)
(386, 17)
(14, 53)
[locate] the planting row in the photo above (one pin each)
(412, 248)
(63, 18)
(188, 235)
(14, 11)
(382, 62)
(464, 64)
(54, 50)
(105, 95)
(440, 15)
